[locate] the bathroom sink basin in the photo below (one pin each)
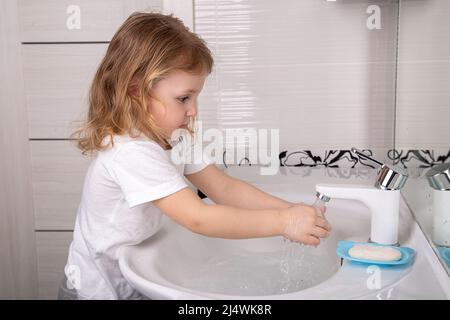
(178, 264)
(188, 264)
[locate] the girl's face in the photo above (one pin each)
(174, 100)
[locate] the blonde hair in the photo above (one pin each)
(145, 49)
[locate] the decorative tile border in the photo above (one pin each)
(346, 159)
(338, 163)
(327, 158)
(418, 158)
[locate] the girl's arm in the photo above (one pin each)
(187, 209)
(299, 223)
(223, 189)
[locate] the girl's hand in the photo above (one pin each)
(293, 204)
(305, 224)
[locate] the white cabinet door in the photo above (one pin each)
(52, 249)
(57, 80)
(58, 171)
(77, 20)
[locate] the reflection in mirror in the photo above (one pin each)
(439, 180)
(422, 112)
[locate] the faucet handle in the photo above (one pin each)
(389, 177)
(439, 176)
(365, 156)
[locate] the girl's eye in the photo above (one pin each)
(183, 99)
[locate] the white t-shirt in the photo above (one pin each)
(116, 210)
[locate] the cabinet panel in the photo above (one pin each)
(58, 171)
(57, 80)
(77, 20)
(52, 249)
(18, 270)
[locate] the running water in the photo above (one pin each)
(290, 263)
(294, 259)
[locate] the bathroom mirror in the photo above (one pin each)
(320, 73)
(422, 130)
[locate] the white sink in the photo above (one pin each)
(178, 264)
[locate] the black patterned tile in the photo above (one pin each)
(418, 158)
(346, 159)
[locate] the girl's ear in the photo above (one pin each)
(133, 89)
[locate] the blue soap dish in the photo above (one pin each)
(408, 254)
(445, 254)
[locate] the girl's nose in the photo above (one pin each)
(192, 112)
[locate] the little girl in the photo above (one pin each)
(145, 88)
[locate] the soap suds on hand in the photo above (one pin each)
(376, 253)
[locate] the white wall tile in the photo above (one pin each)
(423, 103)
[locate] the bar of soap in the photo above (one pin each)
(376, 253)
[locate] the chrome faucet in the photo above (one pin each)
(389, 177)
(382, 199)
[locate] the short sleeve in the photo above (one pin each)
(190, 152)
(144, 173)
(197, 166)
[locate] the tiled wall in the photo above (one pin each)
(312, 69)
